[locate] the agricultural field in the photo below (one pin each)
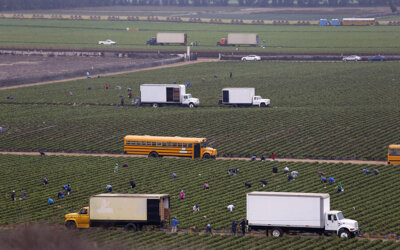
(366, 197)
(319, 110)
(306, 39)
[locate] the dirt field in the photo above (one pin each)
(16, 70)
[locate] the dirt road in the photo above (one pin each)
(357, 162)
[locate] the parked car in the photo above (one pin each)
(352, 58)
(251, 58)
(107, 42)
(377, 58)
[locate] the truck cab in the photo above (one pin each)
(77, 220)
(152, 41)
(222, 42)
(258, 101)
(335, 222)
(188, 100)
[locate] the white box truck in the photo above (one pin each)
(166, 94)
(239, 39)
(168, 38)
(243, 97)
(303, 212)
(127, 210)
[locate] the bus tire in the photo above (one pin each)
(131, 227)
(276, 232)
(155, 105)
(153, 154)
(71, 225)
(206, 156)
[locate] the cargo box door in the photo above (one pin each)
(173, 95)
(225, 96)
(153, 211)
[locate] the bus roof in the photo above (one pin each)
(165, 138)
(358, 19)
(394, 146)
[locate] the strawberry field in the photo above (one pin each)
(369, 199)
(319, 110)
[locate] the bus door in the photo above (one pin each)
(197, 150)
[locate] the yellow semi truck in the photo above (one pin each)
(131, 211)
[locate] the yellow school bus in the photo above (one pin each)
(358, 21)
(394, 154)
(158, 146)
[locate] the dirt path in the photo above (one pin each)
(357, 162)
(114, 73)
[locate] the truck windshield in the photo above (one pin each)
(189, 96)
(204, 144)
(340, 216)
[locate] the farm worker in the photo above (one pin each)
(130, 95)
(125, 165)
(42, 153)
(1, 129)
(67, 188)
(286, 170)
(70, 93)
(253, 158)
(107, 86)
(294, 173)
(243, 226)
(376, 171)
(230, 171)
(133, 184)
(87, 74)
(331, 180)
(174, 225)
(50, 201)
(320, 173)
(206, 186)
(273, 156)
(13, 195)
(248, 185)
(208, 229)
(116, 168)
(118, 87)
(60, 195)
(23, 194)
(122, 101)
(44, 179)
(196, 208)
(109, 188)
(262, 158)
(264, 183)
(234, 227)
(231, 207)
(366, 171)
(290, 177)
(174, 175)
(182, 195)
(340, 188)
(230, 74)
(323, 179)
(235, 171)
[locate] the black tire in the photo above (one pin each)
(263, 105)
(344, 233)
(206, 156)
(155, 105)
(191, 105)
(153, 154)
(276, 232)
(71, 225)
(131, 227)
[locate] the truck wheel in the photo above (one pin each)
(276, 232)
(263, 105)
(71, 225)
(131, 227)
(191, 105)
(206, 156)
(344, 233)
(153, 154)
(155, 105)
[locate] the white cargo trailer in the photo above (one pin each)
(239, 39)
(128, 210)
(166, 94)
(305, 212)
(243, 97)
(168, 38)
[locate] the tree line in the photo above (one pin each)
(64, 4)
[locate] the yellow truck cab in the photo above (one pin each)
(394, 154)
(131, 211)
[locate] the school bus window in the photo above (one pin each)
(128, 143)
(149, 143)
(204, 144)
(169, 144)
(190, 145)
(159, 143)
(143, 143)
(185, 145)
(394, 151)
(179, 145)
(174, 144)
(164, 144)
(153, 143)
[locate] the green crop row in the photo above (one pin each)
(86, 34)
(366, 197)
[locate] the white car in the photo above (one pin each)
(352, 58)
(107, 42)
(251, 58)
